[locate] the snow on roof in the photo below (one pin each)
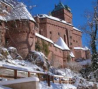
(20, 12)
(53, 18)
(58, 46)
(6, 3)
(61, 43)
(76, 29)
(19, 81)
(44, 38)
(71, 54)
(3, 87)
(78, 48)
(85, 48)
(63, 46)
(11, 2)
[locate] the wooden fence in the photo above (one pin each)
(41, 75)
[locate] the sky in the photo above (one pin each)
(78, 9)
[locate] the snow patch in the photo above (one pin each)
(19, 80)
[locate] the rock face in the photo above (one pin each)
(2, 57)
(13, 52)
(4, 52)
(38, 58)
(10, 53)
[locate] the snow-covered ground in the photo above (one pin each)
(67, 73)
(20, 65)
(23, 65)
(43, 85)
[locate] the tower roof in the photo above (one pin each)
(61, 6)
(61, 43)
(10, 2)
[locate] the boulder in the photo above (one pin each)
(5, 53)
(2, 57)
(13, 52)
(38, 58)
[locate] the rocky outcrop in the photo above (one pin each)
(5, 53)
(14, 54)
(38, 58)
(10, 53)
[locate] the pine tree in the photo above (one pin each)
(94, 28)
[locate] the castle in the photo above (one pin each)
(53, 34)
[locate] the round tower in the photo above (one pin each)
(20, 30)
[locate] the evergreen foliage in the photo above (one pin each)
(91, 28)
(43, 47)
(68, 58)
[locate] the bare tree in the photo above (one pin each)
(91, 28)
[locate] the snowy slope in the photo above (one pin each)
(43, 85)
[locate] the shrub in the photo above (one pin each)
(76, 67)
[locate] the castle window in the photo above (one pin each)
(70, 37)
(6, 7)
(65, 38)
(42, 19)
(55, 49)
(70, 43)
(73, 40)
(71, 48)
(7, 41)
(58, 33)
(0, 24)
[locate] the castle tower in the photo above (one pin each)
(20, 31)
(63, 12)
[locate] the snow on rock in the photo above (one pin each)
(2, 57)
(67, 73)
(93, 76)
(13, 52)
(38, 58)
(5, 53)
(21, 65)
(82, 83)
